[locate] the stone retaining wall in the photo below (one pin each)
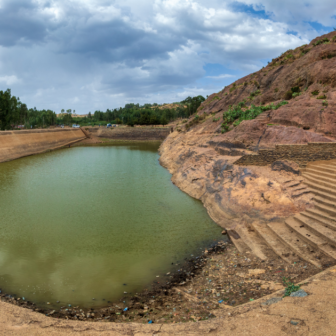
(16, 144)
(134, 133)
(301, 154)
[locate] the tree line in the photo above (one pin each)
(147, 114)
(14, 113)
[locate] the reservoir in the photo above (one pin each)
(88, 223)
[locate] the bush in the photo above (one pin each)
(288, 95)
(315, 93)
(255, 93)
(322, 97)
(276, 90)
(295, 94)
(236, 115)
(325, 103)
(295, 89)
(323, 41)
(215, 119)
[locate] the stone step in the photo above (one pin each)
(273, 241)
(324, 195)
(295, 243)
(316, 186)
(300, 187)
(323, 221)
(324, 168)
(255, 243)
(331, 163)
(329, 210)
(303, 228)
(322, 232)
(320, 173)
(326, 182)
(319, 213)
(301, 192)
(293, 184)
(324, 201)
(319, 177)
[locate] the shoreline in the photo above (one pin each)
(203, 288)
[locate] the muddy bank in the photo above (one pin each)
(17, 144)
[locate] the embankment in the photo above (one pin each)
(16, 144)
(134, 133)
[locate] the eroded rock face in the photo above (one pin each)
(229, 192)
(201, 157)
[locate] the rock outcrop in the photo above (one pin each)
(200, 153)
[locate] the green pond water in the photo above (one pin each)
(79, 223)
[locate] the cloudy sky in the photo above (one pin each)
(98, 54)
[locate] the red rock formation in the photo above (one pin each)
(235, 195)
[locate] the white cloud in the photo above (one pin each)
(221, 76)
(107, 53)
(9, 80)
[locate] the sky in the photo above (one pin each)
(89, 55)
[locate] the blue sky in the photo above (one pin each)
(98, 54)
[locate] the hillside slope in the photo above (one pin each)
(200, 152)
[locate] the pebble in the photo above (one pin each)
(299, 293)
(294, 323)
(271, 301)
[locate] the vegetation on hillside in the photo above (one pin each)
(148, 114)
(236, 114)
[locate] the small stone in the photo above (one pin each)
(224, 232)
(48, 303)
(299, 293)
(271, 301)
(294, 322)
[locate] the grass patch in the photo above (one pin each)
(215, 119)
(290, 287)
(323, 41)
(235, 115)
(315, 93)
(322, 97)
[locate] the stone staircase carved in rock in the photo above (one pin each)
(310, 235)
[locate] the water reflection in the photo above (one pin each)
(80, 223)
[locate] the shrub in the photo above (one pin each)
(295, 89)
(295, 94)
(233, 87)
(215, 119)
(255, 93)
(325, 103)
(276, 90)
(322, 97)
(236, 115)
(215, 98)
(334, 38)
(323, 41)
(288, 95)
(290, 287)
(315, 93)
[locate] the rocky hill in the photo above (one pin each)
(290, 101)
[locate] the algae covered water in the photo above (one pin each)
(84, 225)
